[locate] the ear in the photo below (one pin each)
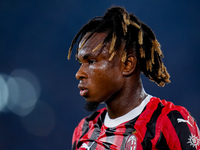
(129, 65)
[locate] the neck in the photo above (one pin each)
(125, 100)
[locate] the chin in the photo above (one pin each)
(91, 106)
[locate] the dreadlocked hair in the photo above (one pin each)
(139, 40)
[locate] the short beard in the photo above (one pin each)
(91, 106)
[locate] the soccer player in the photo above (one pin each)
(113, 51)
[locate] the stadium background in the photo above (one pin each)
(39, 100)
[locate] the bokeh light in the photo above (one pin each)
(40, 121)
(22, 97)
(3, 93)
(19, 92)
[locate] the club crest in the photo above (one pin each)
(131, 143)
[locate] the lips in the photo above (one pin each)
(83, 90)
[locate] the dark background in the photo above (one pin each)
(35, 36)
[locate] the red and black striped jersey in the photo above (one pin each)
(161, 125)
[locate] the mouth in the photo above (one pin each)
(83, 90)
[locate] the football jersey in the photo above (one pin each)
(154, 125)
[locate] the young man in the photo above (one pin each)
(113, 51)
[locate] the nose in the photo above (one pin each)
(81, 73)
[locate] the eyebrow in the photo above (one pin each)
(86, 56)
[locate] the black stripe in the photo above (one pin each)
(151, 128)
(181, 129)
(162, 143)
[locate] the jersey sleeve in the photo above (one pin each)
(180, 131)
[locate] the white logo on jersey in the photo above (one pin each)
(183, 120)
(84, 145)
(194, 141)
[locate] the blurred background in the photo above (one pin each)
(39, 100)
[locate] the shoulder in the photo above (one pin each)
(170, 115)
(174, 121)
(159, 113)
(168, 108)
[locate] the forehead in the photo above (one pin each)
(92, 43)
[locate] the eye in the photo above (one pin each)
(91, 61)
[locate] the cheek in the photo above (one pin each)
(105, 76)
(101, 71)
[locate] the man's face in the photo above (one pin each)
(100, 79)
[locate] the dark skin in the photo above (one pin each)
(115, 83)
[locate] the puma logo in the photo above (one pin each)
(84, 145)
(183, 120)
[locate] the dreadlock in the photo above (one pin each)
(139, 39)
